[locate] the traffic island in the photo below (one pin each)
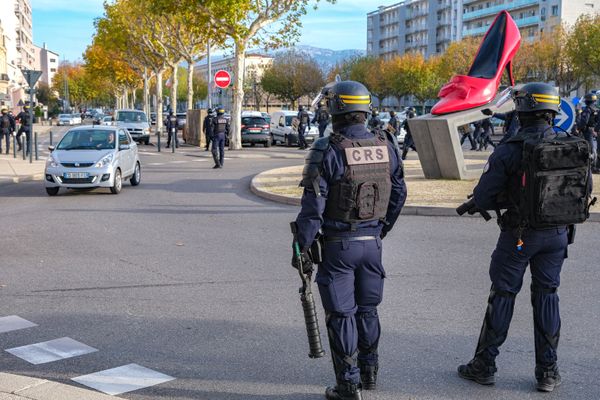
(18, 387)
(431, 197)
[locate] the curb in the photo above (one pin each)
(20, 179)
(19, 387)
(426, 211)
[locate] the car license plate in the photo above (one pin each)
(76, 175)
(254, 130)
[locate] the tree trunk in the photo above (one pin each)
(159, 101)
(133, 98)
(235, 142)
(146, 93)
(190, 85)
(125, 98)
(174, 83)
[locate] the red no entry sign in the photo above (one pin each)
(222, 79)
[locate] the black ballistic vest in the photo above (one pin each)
(553, 182)
(364, 191)
(220, 125)
(5, 122)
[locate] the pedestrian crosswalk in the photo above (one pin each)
(113, 381)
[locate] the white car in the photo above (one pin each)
(65, 120)
(284, 132)
(76, 118)
(92, 157)
(107, 120)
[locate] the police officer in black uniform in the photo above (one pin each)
(519, 245)
(207, 127)
(304, 123)
(375, 121)
(321, 119)
(487, 128)
(511, 123)
(25, 121)
(409, 143)
(171, 124)
(589, 125)
(7, 127)
(354, 191)
(466, 133)
(394, 122)
(220, 129)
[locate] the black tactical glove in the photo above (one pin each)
(487, 111)
(306, 263)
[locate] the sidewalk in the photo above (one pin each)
(425, 197)
(18, 387)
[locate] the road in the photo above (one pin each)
(188, 274)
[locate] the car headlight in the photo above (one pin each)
(146, 131)
(51, 162)
(105, 161)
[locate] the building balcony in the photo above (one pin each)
(420, 28)
(521, 23)
(4, 78)
(515, 5)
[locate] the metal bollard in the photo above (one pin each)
(14, 147)
(50, 135)
(24, 147)
(173, 140)
(29, 149)
(158, 140)
(35, 138)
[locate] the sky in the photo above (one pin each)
(67, 26)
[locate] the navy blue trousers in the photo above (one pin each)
(218, 148)
(350, 281)
(544, 251)
(301, 133)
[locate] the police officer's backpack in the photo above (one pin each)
(555, 181)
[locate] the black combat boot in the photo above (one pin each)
(368, 376)
(344, 391)
(479, 371)
(547, 378)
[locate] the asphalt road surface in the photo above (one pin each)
(188, 274)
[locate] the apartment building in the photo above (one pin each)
(425, 26)
(47, 62)
(4, 80)
(531, 16)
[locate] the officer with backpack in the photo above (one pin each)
(588, 124)
(321, 118)
(304, 123)
(7, 126)
(528, 176)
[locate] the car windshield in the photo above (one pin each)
(288, 119)
(64, 116)
(253, 121)
(384, 115)
(92, 139)
(131, 116)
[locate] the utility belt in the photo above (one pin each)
(315, 252)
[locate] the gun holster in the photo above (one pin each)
(315, 252)
(571, 230)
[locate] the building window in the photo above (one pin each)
(53, 60)
(52, 69)
(554, 11)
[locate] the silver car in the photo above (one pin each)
(92, 157)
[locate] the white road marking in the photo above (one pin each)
(52, 350)
(156, 163)
(123, 379)
(14, 323)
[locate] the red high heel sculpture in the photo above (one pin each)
(479, 86)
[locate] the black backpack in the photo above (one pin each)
(555, 181)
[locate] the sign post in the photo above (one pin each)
(31, 76)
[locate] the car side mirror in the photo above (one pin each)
(124, 147)
(51, 148)
(281, 124)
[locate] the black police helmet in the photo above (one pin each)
(210, 111)
(347, 97)
(220, 111)
(590, 98)
(536, 96)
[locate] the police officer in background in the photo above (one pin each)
(171, 124)
(207, 127)
(321, 119)
(487, 128)
(589, 125)
(7, 127)
(354, 191)
(520, 244)
(220, 129)
(511, 123)
(409, 143)
(394, 122)
(375, 121)
(25, 121)
(304, 123)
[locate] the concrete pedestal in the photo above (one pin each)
(438, 142)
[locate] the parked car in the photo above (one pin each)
(92, 157)
(284, 132)
(255, 129)
(153, 118)
(77, 120)
(98, 118)
(136, 122)
(181, 120)
(106, 120)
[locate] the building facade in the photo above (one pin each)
(533, 17)
(47, 62)
(425, 26)
(4, 80)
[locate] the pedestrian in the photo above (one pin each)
(589, 125)
(409, 143)
(7, 127)
(354, 191)
(466, 132)
(534, 230)
(220, 129)
(375, 121)
(171, 123)
(303, 124)
(25, 121)
(207, 127)
(487, 129)
(321, 119)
